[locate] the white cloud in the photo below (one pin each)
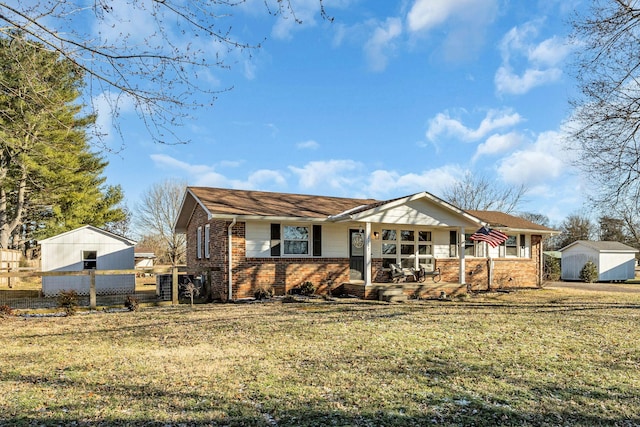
(443, 124)
(427, 14)
(263, 178)
(206, 175)
(550, 52)
(381, 44)
(385, 183)
(498, 143)
(308, 145)
(540, 63)
(165, 161)
(303, 16)
(509, 82)
(336, 174)
(537, 164)
(465, 20)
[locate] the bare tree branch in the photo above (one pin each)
(150, 53)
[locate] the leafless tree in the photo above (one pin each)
(606, 122)
(150, 55)
(574, 227)
(478, 192)
(156, 214)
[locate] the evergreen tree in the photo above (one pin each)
(50, 180)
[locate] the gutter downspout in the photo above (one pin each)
(229, 235)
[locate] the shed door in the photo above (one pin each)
(356, 255)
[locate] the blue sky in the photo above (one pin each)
(389, 99)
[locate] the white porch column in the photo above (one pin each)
(367, 254)
(461, 252)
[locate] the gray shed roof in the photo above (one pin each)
(602, 246)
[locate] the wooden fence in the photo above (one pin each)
(9, 261)
(19, 297)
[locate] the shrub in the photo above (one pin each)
(263, 292)
(589, 272)
(307, 288)
(6, 311)
(68, 301)
(552, 269)
(132, 303)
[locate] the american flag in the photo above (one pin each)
(492, 237)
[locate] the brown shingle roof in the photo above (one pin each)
(263, 203)
(501, 219)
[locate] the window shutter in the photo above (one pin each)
(275, 239)
(317, 240)
(207, 239)
(199, 243)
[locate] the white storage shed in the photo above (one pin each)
(87, 248)
(615, 261)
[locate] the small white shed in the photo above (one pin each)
(144, 259)
(87, 248)
(615, 261)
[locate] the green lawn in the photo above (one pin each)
(539, 357)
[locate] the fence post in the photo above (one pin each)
(92, 289)
(174, 285)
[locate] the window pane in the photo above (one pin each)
(388, 234)
(296, 233)
(388, 248)
(292, 247)
(511, 241)
(512, 251)
(408, 263)
(387, 261)
(407, 249)
(424, 249)
(424, 236)
(407, 236)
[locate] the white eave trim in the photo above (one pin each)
(417, 196)
(189, 194)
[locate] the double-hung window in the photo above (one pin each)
(473, 248)
(509, 248)
(302, 240)
(295, 240)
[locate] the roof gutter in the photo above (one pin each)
(229, 235)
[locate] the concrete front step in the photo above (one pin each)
(392, 294)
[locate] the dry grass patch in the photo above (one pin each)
(548, 357)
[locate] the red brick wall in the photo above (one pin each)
(507, 272)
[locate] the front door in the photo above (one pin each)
(356, 255)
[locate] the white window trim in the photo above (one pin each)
(283, 240)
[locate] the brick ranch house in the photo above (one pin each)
(247, 239)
